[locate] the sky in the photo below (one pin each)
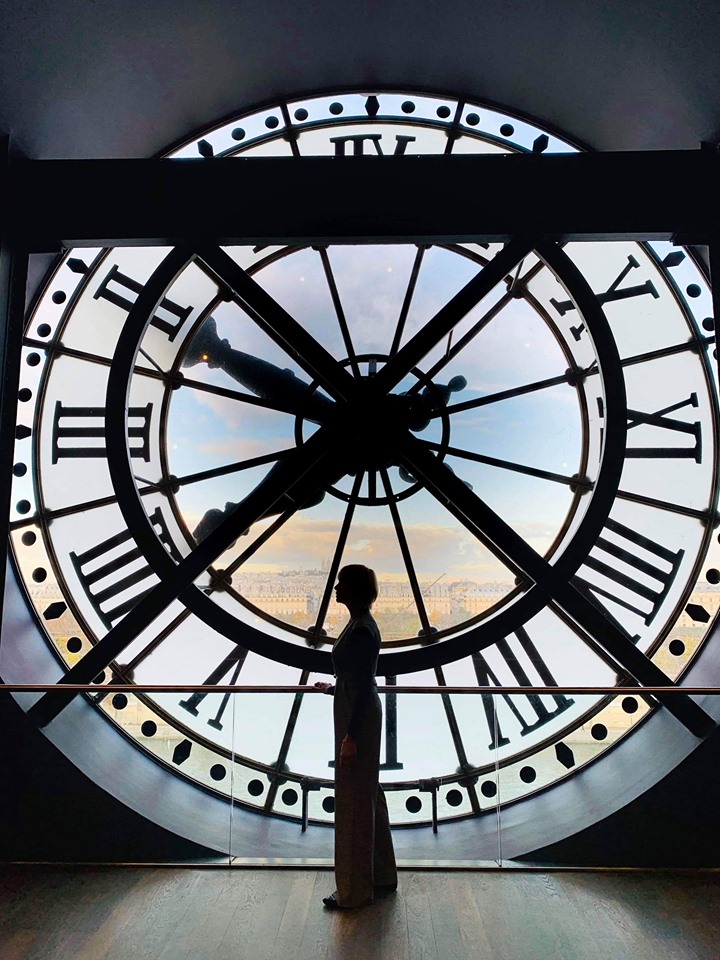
(542, 429)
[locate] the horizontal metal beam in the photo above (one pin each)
(133, 688)
(433, 199)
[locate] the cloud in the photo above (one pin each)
(360, 546)
(236, 415)
(237, 449)
(305, 542)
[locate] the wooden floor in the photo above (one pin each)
(149, 913)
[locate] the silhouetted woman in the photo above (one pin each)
(364, 856)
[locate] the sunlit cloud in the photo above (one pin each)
(238, 449)
(305, 543)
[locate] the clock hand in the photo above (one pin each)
(279, 325)
(431, 401)
(311, 463)
(552, 579)
(454, 310)
(302, 497)
(264, 379)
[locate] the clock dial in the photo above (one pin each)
(519, 438)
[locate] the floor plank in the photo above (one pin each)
(154, 913)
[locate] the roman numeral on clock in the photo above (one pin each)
(614, 292)
(111, 576)
(661, 420)
(622, 561)
(122, 290)
(360, 140)
(231, 664)
(87, 424)
(536, 712)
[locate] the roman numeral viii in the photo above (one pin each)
(114, 573)
(122, 290)
(79, 432)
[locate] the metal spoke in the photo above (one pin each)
(553, 580)
(570, 376)
(705, 516)
(406, 555)
(275, 404)
(339, 312)
(453, 349)
(253, 548)
(184, 614)
(337, 556)
(489, 398)
(224, 471)
(174, 379)
(580, 484)
(60, 350)
(149, 488)
(308, 464)
(405, 309)
(436, 329)
(124, 671)
(47, 515)
(275, 321)
(479, 325)
(669, 351)
(150, 360)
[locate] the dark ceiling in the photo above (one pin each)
(125, 78)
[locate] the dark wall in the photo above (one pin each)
(49, 810)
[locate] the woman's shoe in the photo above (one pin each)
(332, 903)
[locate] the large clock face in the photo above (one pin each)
(520, 439)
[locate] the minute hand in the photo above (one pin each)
(274, 320)
(452, 313)
(553, 581)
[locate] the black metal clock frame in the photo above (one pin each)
(536, 199)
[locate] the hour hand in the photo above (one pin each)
(431, 399)
(267, 381)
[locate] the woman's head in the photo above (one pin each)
(357, 586)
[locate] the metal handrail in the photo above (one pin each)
(229, 688)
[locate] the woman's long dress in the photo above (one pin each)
(364, 855)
